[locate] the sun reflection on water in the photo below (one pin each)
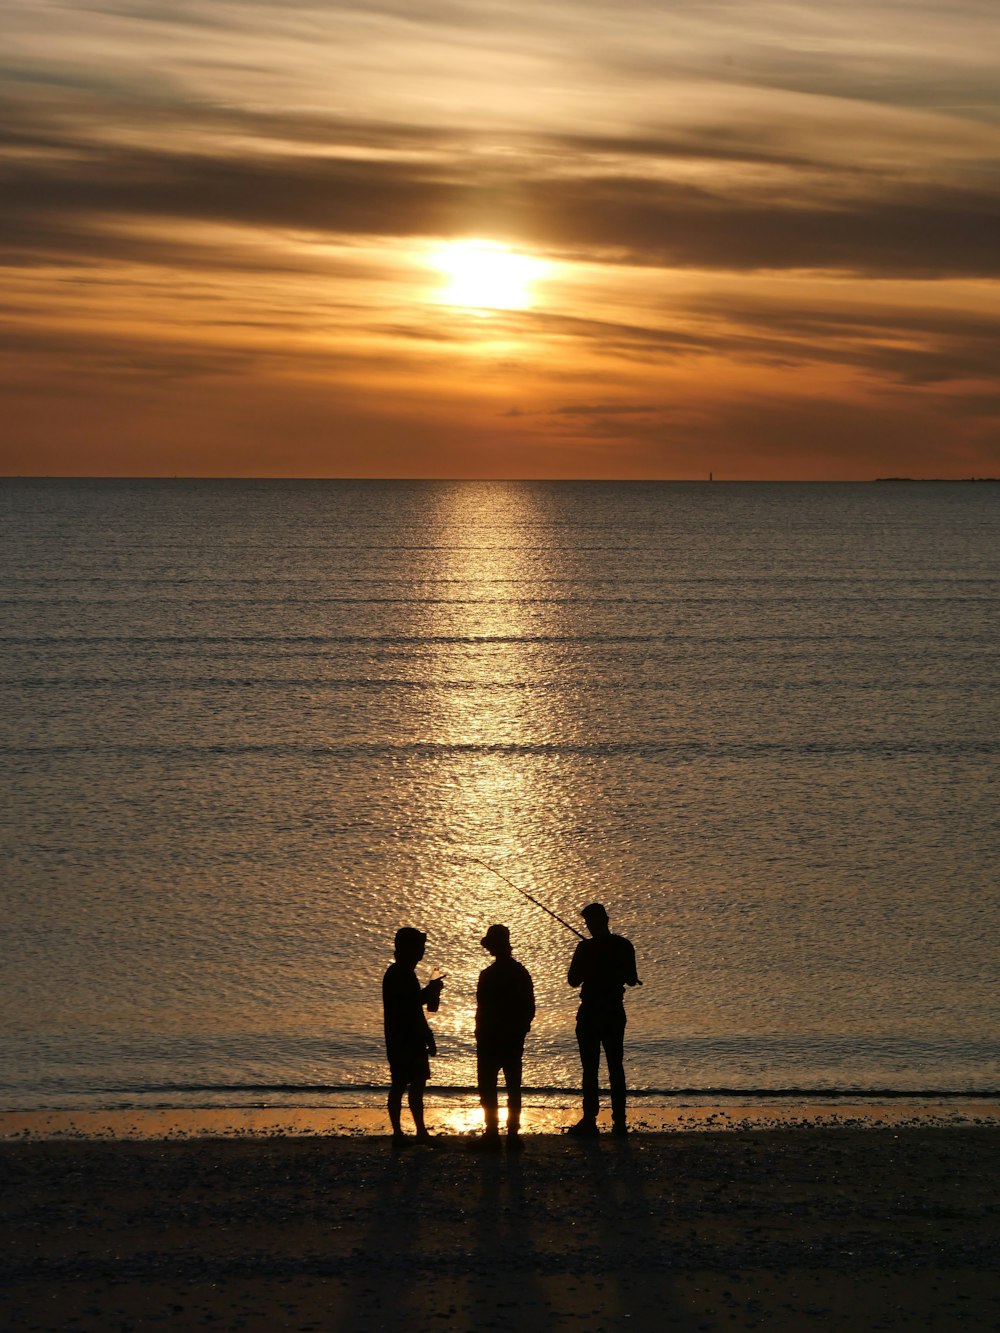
(495, 797)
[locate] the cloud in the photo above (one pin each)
(899, 344)
(602, 410)
(930, 230)
(740, 137)
(103, 354)
(772, 219)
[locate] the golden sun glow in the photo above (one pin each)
(485, 275)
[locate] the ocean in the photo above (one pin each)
(249, 728)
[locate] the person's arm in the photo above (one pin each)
(631, 977)
(429, 1041)
(576, 967)
(393, 1002)
(480, 1006)
(529, 1000)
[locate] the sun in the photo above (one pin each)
(485, 275)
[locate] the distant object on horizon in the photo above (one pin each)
(961, 481)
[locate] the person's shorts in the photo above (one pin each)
(409, 1066)
(600, 1022)
(499, 1054)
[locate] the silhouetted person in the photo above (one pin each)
(602, 966)
(505, 1007)
(408, 1036)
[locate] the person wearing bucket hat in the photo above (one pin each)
(505, 1008)
(602, 967)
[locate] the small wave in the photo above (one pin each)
(678, 752)
(594, 685)
(556, 1090)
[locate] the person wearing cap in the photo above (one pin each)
(505, 1008)
(408, 1036)
(602, 967)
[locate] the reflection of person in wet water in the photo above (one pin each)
(505, 1007)
(602, 967)
(408, 1036)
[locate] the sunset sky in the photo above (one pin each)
(493, 238)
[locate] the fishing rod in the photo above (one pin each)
(525, 894)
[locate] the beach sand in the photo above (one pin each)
(773, 1229)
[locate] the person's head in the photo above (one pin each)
(497, 941)
(408, 946)
(596, 917)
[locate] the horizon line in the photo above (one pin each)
(639, 481)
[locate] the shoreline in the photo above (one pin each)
(780, 1229)
(450, 1118)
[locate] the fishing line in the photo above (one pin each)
(525, 894)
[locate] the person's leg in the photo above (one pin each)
(487, 1070)
(588, 1039)
(512, 1067)
(613, 1040)
(396, 1090)
(415, 1098)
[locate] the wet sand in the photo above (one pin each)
(775, 1229)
